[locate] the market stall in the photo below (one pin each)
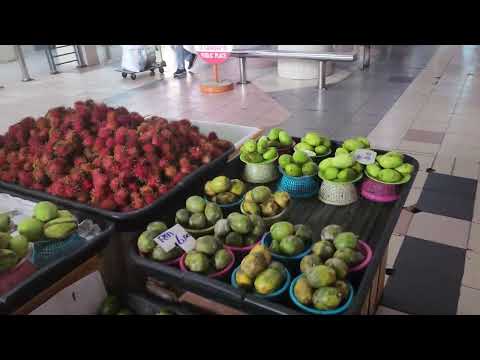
(276, 225)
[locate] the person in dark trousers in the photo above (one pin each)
(182, 55)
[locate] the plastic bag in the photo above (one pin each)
(138, 58)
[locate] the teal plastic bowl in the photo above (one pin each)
(267, 240)
(273, 296)
(312, 310)
(298, 187)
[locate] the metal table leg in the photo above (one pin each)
(366, 57)
(51, 62)
(243, 70)
(322, 78)
(22, 64)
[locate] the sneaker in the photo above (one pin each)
(180, 73)
(192, 61)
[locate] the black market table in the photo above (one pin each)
(373, 222)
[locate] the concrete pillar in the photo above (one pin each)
(303, 69)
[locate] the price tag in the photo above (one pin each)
(176, 235)
(365, 156)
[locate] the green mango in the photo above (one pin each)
(268, 281)
(145, 241)
(220, 184)
(45, 211)
(197, 221)
(347, 255)
(253, 264)
(270, 154)
(330, 232)
(327, 298)
(110, 306)
(238, 187)
(222, 259)
(182, 216)
(241, 224)
(340, 267)
(321, 275)
(157, 227)
(65, 214)
(343, 288)
(304, 232)
(59, 228)
(4, 240)
(221, 228)
(158, 254)
(346, 240)
(19, 244)
(196, 204)
(309, 262)
(292, 245)
(284, 138)
(197, 262)
(234, 239)
(8, 259)
(206, 244)
(323, 249)
(274, 133)
(4, 223)
(284, 160)
(303, 291)
(31, 228)
(213, 213)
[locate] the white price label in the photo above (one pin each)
(176, 235)
(365, 156)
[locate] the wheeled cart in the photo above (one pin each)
(160, 64)
(133, 74)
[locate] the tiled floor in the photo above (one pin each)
(437, 266)
(422, 100)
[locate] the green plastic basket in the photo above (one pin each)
(45, 252)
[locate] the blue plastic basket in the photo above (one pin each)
(299, 187)
(47, 251)
(276, 295)
(341, 309)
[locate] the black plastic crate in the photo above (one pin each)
(45, 276)
(132, 219)
(374, 222)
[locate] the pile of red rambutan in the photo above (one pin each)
(107, 157)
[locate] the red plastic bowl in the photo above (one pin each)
(366, 250)
(218, 274)
(242, 250)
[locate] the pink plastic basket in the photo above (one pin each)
(218, 274)
(378, 192)
(366, 250)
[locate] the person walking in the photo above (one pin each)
(184, 53)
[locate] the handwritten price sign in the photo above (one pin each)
(176, 235)
(364, 156)
(214, 54)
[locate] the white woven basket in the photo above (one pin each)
(338, 194)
